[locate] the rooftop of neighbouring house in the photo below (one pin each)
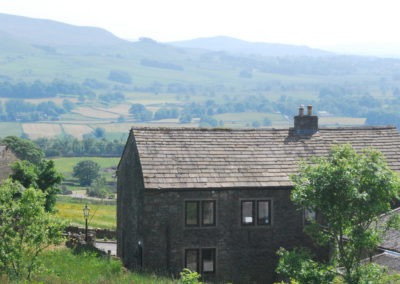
(388, 259)
(391, 240)
(224, 158)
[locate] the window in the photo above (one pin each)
(247, 212)
(256, 212)
(200, 213)
(208, 260)
(192, 213)
(263, 212)
(309, 215)
(192, 259)
(208, 213)
(207, 257)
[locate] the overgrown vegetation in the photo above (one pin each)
(34, 171)
(26, 230)
(348, 191)
(65, 266)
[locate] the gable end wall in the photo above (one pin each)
(130, 199)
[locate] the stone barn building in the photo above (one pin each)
(218, 200)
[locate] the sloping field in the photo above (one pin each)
(245, 119)
(341, 121)
(117, 127)
(76, 130)
(38, 130)
(10, 128)
(119, 109)
(96, 113)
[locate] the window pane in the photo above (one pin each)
(263, 212)
(192, 259)
(247, 212)
(192, 213)
(208, 260)
(208, 213)
(309, 215)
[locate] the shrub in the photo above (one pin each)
(189, 277)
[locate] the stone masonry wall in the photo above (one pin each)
(130, 203)
(243, 254)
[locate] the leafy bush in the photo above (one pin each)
(189, 277)
(297, 265)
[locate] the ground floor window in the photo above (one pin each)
(200, 260)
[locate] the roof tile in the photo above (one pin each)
(209, 158)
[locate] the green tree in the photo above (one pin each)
(86, 171)
(43, 176)
(99, 132)
(24, 149)
(120, 76)
(348, 191)
(298, 265)
(26, 230)
(256, 124)
(267, 121)
(98, 188)
(185, 118)
(140, 112)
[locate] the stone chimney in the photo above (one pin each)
(305, 124)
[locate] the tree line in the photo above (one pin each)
(69, 146)
(39, 89)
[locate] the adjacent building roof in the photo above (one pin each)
(388, 259)
(217, 158)
(391, 240)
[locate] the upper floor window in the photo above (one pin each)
(255, 212)
(200, 213)
(309, 215)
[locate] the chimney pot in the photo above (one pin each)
(301, 110)
(309, 110)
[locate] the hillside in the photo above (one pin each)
(218, 81)
(52, 33)
(241, 47)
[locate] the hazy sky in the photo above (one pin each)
(310, 22)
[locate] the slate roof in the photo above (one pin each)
(218, 158)
(390, 260)
(391, 240)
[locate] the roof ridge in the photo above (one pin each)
(163, 128)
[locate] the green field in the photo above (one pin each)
(245, 119)
(65, 165)
(101, 215)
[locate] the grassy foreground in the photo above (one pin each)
(63, 266)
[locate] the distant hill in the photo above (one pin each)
(52, 33)
(237, 46)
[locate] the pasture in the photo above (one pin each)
(100, 216)
(245, 119)
(39, 130)
(65, 165)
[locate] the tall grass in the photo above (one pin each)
(63, 266)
